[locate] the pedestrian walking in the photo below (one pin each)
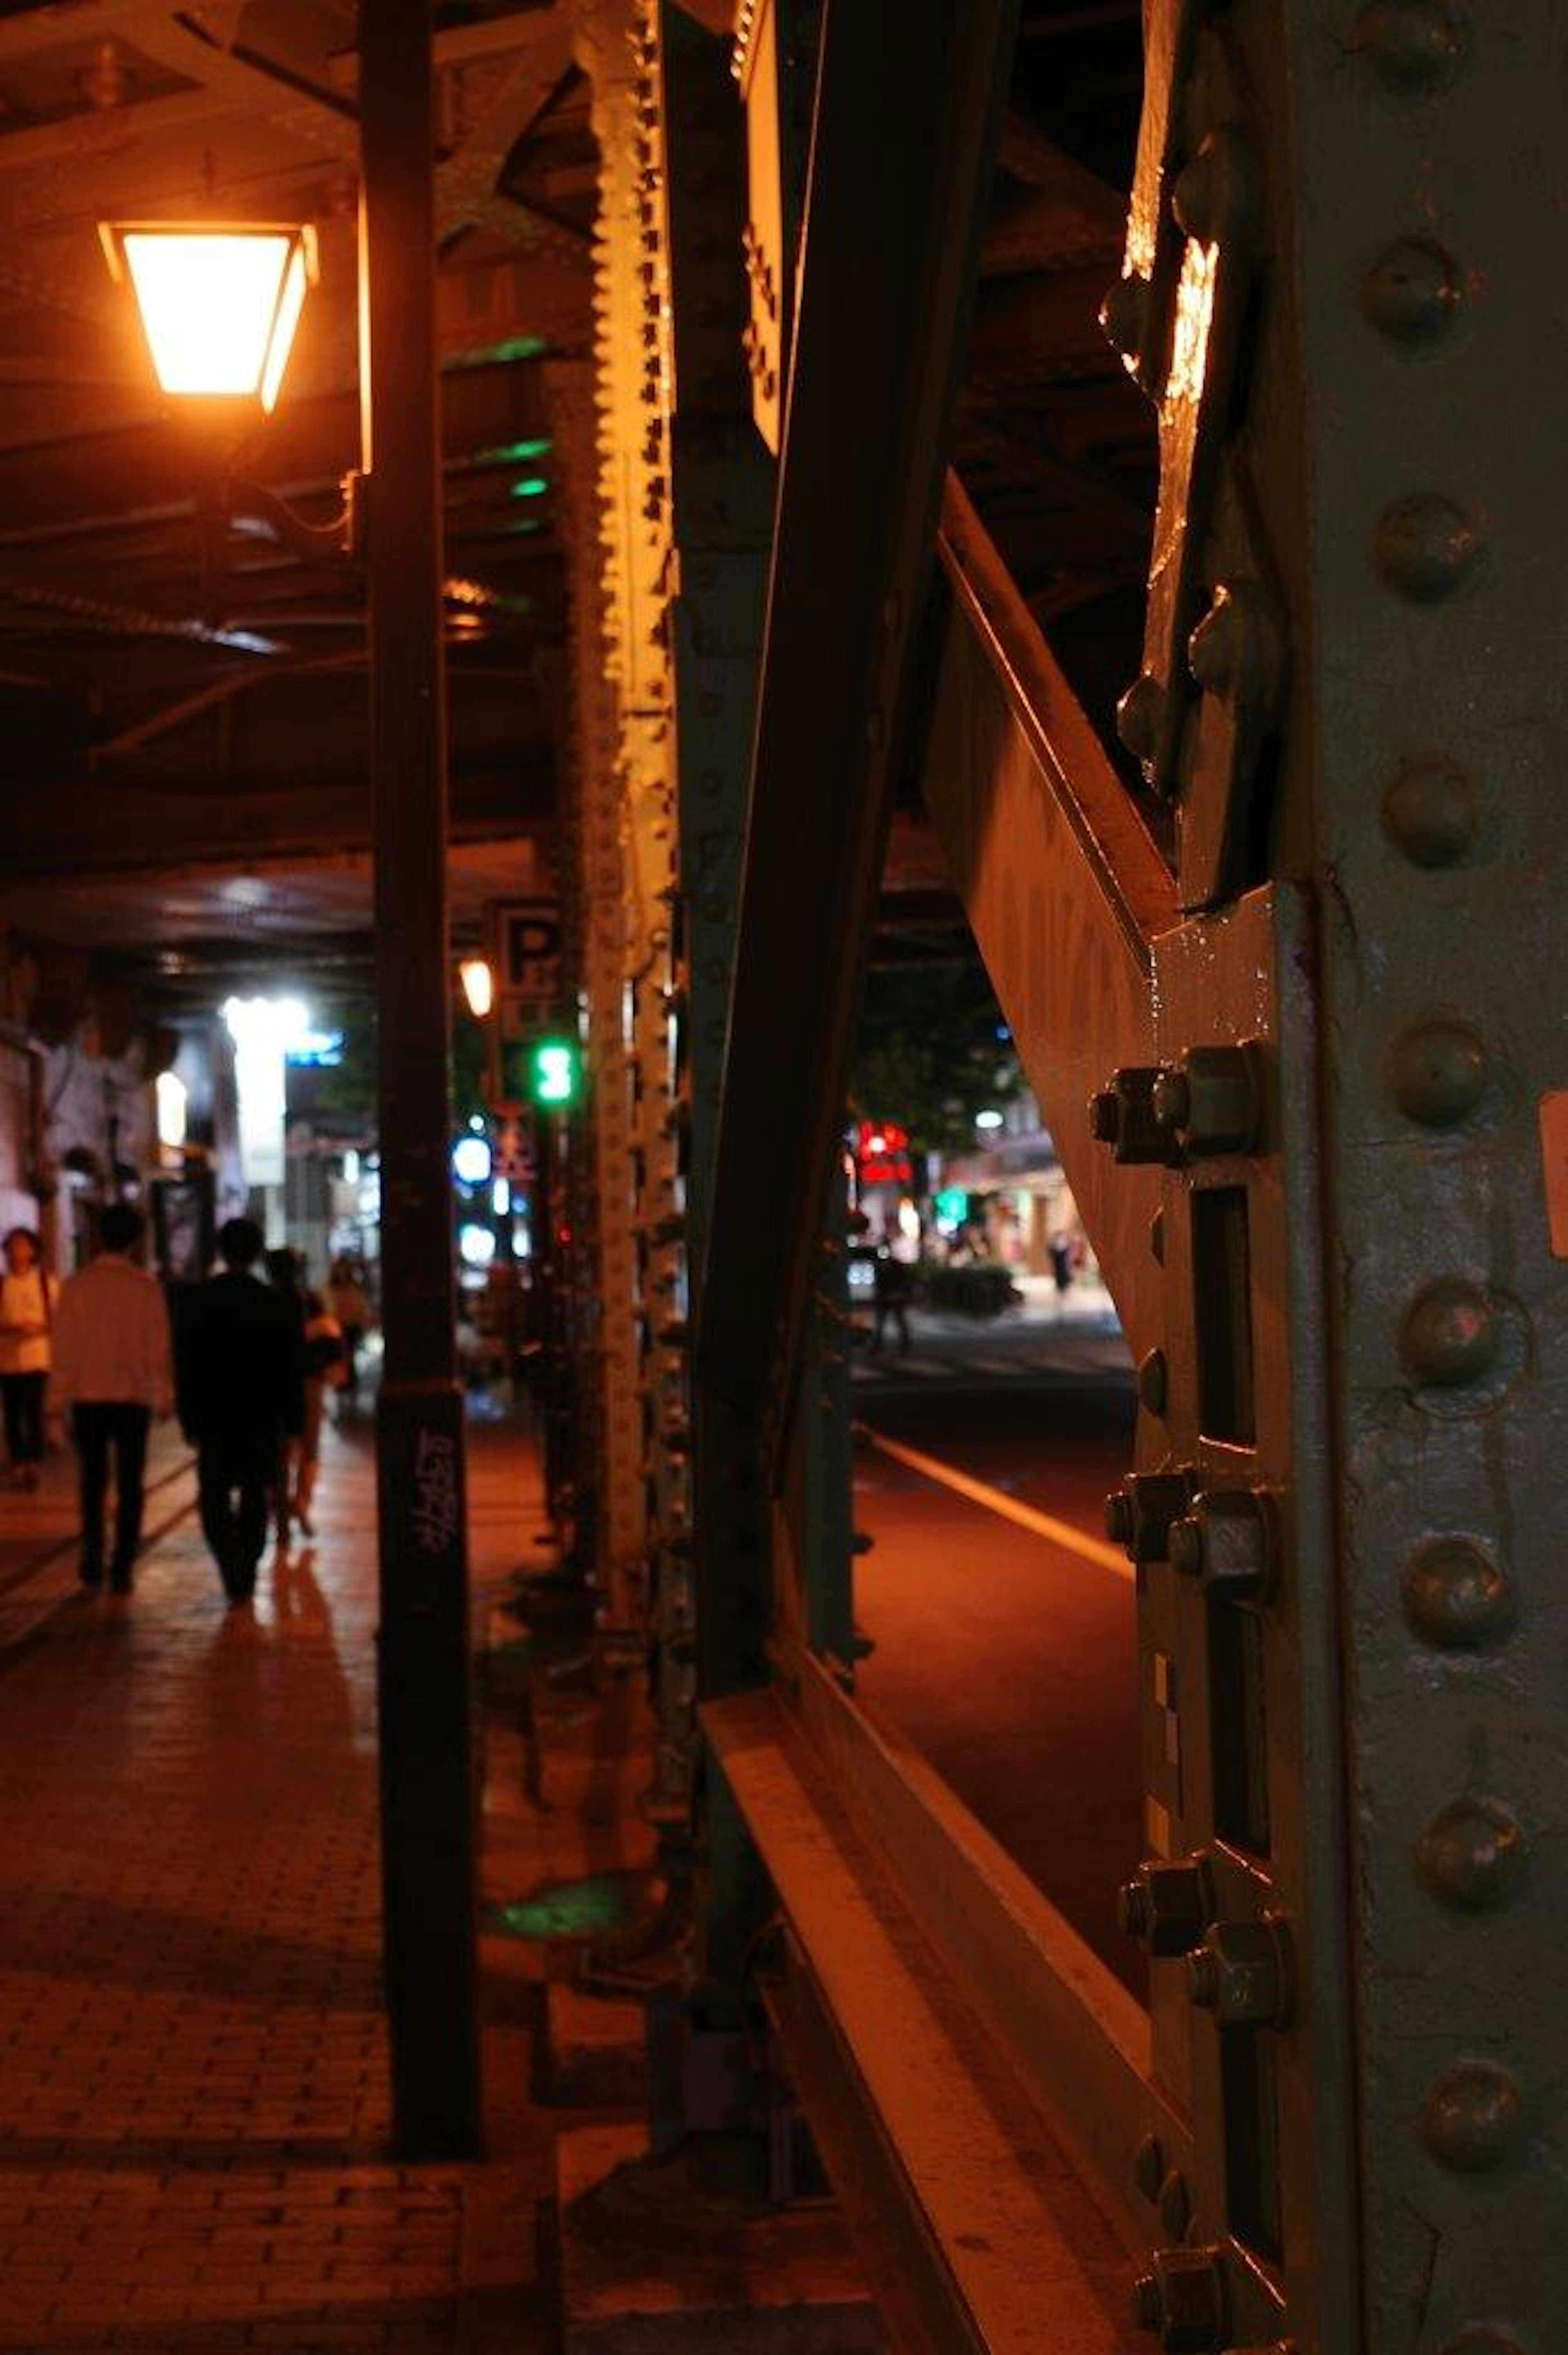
(111, 1372)
(27, 1298)
(346, 1297)
(325, 1369)
(242, 1391)
(893, 1280)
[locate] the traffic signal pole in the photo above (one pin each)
(428, 1819)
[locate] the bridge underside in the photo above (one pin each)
(1074, 487)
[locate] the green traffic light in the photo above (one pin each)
(553, 1073)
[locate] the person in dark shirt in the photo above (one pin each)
(241, 1393)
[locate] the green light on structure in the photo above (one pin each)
(530, 487)
(553, 1072)
(515, 347)
(515, 454)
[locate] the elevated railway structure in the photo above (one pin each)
(1113, 456)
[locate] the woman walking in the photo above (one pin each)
(322, 1348)
(27, 1298)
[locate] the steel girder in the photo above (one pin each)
(1321, 1156)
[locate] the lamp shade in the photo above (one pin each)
(219, 302)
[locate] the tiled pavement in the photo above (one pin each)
(193, 2108)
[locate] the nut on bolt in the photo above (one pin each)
(1228, 1540)
(1210, 1102)
(1183, 2300)
(1122, 1116)
(1167, 1904)
(1241, 1974)
(1141, 1513)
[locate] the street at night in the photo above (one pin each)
(783, 1177)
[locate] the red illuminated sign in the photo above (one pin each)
(882, 1153)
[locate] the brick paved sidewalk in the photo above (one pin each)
(192, 2106)
(39, 1528)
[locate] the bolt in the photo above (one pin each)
(1210, 1102)
(1183, 2299)
(1424, 546)
(1165, 1905)
(1148, 2306)
(1105, 1116)
(1241, 1974)
(1411, 292)
(1185, 1546)
(1123, 1117)
(1120, 1521)
(1228, 1539)
(1172, 1099)
(1457, 1597)
(1151, 1380)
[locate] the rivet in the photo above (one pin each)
(1175, 2204)
(1410, 42)
(1470, 1853)
(1472, 2116)
(1425, 546)
(1413, 291)
(1124, 316)
(1437, 1073)
(1215, 196)
(1141, 717)
(1457, 1597)
(1450, 1333)
(1148, 2166)
(1213, 646)
(1153, 1381)
(1430, 812)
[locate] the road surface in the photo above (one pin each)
(1008, 1656)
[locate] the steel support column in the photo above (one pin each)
(428, 1829)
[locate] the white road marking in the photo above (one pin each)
(1008, 1508)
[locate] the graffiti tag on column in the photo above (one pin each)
(435, 1491)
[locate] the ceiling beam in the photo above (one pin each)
(100, 829)
(151, 467)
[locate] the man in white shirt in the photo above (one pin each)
(113, 1370)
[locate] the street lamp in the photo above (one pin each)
(218, 302)
(478, 978)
